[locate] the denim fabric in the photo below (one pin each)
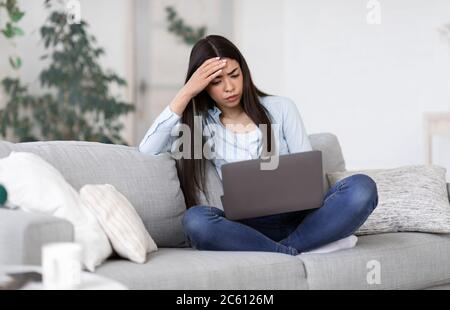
(345, 208)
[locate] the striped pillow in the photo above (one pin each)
(119, 220)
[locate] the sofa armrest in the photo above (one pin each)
(23, 234)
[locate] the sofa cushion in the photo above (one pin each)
(120, 221)
(332, 161)
(188, 269)
(405, 261)
(411, 198)
(149, 182)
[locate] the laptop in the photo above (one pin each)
(295, 185)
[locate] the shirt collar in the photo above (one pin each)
(215, 112)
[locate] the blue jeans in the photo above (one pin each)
(346, 206)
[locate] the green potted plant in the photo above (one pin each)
(76, 103)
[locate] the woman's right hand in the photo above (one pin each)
(201, 78)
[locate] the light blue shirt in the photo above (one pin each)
(228, 146)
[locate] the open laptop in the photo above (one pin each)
(296, 184)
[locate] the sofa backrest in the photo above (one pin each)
(149, 182)
(332, 157)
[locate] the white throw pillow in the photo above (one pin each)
(36, 186)
(410, 198)
(119, 220)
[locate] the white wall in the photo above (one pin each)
(259, 30)
(368, 84)
(112, 24)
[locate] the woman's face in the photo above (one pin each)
(228, 84)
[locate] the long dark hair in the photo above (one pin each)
(191, 172)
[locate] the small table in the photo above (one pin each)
(89, 281)
(435, 123)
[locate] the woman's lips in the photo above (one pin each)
(231, 99)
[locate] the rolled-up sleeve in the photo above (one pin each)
(294, 130)
(158, 138)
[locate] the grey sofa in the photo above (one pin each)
(406, 260)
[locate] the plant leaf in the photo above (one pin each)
(16, 15)
(15, 63)
(8, 31)
(18, 63)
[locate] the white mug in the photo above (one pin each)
(61, 266)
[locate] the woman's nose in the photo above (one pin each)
(228, 85)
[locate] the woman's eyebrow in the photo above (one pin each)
(219, 76)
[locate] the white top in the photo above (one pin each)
(228, 146)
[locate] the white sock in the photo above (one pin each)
(341, 244)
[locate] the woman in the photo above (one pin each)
(220, 90)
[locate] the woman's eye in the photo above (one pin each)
(218, 82)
